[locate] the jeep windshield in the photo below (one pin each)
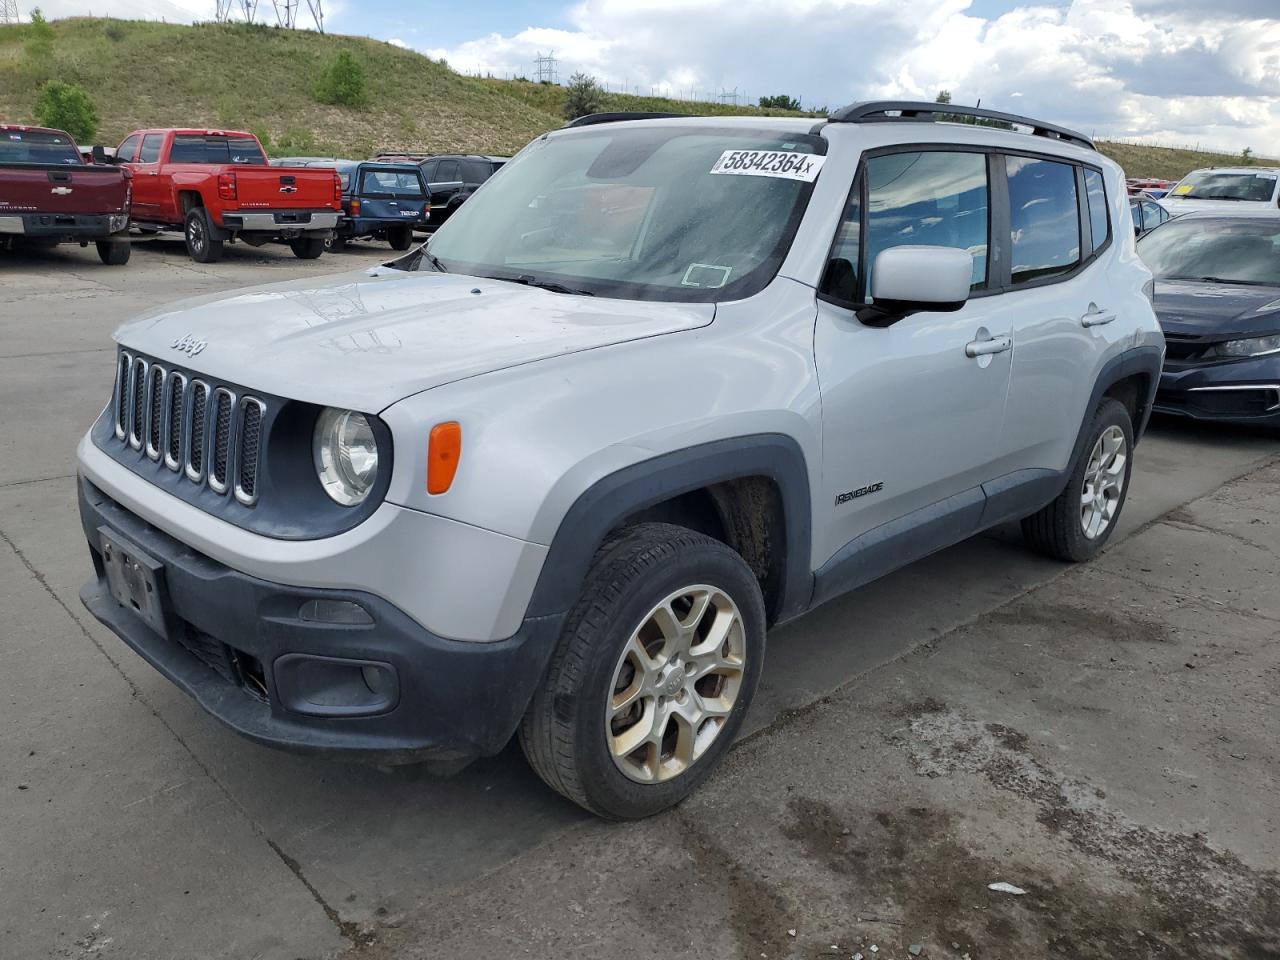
(1214, 185)
(679, 213)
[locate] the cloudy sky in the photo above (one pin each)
(1169, 71)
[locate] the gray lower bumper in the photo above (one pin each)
(270, 221)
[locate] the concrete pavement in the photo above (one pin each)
(131, 825)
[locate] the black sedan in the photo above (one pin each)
(1217, 295)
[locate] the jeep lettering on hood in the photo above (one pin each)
(410, 332)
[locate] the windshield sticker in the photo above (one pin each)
(1264, 176)
(770, 163)
(1185, 188)
(706, 275)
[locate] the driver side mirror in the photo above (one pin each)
(99, 154)
(909, 279)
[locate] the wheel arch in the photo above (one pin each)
(724, 476)
(1131, 378)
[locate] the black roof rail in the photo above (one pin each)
(885, 111)
(591, 119)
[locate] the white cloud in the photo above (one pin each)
(397, 42)
(1181, 71)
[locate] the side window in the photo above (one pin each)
(1153, 213)
(128, 151)
(429, 171)
(927, 198)
(1135, 208)
(1099, 222)
(150, 152)
(1044, 218)
(841, 279)
(448, 172)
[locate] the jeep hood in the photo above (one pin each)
(367, 340)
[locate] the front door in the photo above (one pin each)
(147, 194)
(912, 413)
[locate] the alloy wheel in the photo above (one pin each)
(1103, 482)
(676, 683)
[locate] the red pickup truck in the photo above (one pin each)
(49, 195)
(217, 187)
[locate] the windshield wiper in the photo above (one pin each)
(433, 260)
(531, 281)
(1218, 280)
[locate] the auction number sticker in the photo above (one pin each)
(770, 163)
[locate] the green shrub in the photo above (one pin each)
(781, 101)
(114, 31)
(583, 96)
(68, 107)
(343, 82)
(39, 45)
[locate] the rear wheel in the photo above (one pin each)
(1078, 524)
(653, 674)
(114, 253)
(400, 238)
(307, 248)
(201, 245)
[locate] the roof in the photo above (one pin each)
(1275, 170)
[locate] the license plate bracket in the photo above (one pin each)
(135, 579)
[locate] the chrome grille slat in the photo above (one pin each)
(220, 433)
(252, 411)
(155, 409)
(204, 431)
(197, 415)
(175, 409)
(137, 400)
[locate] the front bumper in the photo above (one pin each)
(278, 221)
(242, 648)
(64, 226)
(1238, 391)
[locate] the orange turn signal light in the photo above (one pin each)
(443, 451)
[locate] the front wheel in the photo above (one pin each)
(652, 676)
(1078, 524)
(114, 253)
(307, 248)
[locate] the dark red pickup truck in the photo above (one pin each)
(216, 186)
(49, 195)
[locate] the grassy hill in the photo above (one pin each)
(263, 79)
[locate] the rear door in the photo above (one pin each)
(391, 193)
(446, 187)
(1060, 222)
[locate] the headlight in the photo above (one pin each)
(1253, 347)
(346, 455)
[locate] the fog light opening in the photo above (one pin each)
(335, 611)
(380, 681)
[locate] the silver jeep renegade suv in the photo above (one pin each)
(660, 385)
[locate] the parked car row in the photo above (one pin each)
(218, 187)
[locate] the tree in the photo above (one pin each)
(1246, 155)
(39, 44)
(944, 96)
(780, 101)
(65, 106)
(583, 96)
(343, 82)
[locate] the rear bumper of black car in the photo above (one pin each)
(333, 672)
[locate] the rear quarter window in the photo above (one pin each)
(1099, 220)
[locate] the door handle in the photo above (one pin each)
(985, 348)
(1096, 318)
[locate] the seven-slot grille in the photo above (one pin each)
(205, 431)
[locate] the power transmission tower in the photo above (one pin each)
(223, 13)
(250, 8)
(727, 96)
(286, 12)
(317, 13)
(546, 64)
(8, 11)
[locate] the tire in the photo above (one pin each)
(1070, 528)
(335, 244)
(114, 253)
(633, 578)
(400, 238)
(198, 229)
(307, 248)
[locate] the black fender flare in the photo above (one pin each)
(1147, 361)
(611, 499)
